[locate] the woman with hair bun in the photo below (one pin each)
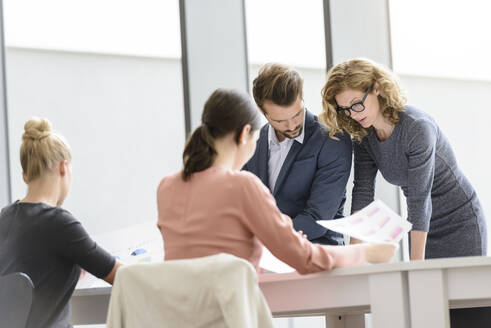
(43, 240)
(212, 207)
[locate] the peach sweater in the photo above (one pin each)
(225, 211)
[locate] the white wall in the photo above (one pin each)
(123, 117)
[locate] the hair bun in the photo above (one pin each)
(36, 129)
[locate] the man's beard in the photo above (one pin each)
(288, 133)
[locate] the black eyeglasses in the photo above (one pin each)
(356, 107)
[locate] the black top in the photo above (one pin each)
(49, 245)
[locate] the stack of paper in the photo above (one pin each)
(375, 223)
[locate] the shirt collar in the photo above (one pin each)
(273, 139)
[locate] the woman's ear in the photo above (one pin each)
(376, 88)
(63, 167)
(244, 134)
(24, 177)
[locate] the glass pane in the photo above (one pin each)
(292, 33)
(107, 74)
(448, 38)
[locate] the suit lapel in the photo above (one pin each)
(294, 150)
(263, 156)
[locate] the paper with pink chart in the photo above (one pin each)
(374, 223)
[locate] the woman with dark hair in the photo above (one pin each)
(212, 207)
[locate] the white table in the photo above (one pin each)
(397, 294)
(347, 292)
(437, 285)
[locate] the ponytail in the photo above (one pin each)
(199, 153)
(225, 112)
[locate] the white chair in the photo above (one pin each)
(213, 291)
(15, 300)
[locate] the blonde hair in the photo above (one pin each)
(360, 74)
(41, 148)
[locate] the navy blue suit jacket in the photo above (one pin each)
(311, 185)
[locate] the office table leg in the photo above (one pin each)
(345, 321)
(428, 299)
(334, 321)
(389, 300)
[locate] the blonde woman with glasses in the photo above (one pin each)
(407, 146)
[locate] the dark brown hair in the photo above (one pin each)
(226, 111)
(277, 83)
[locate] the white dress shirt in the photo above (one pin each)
(278, 152)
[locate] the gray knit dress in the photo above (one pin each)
(440, 200)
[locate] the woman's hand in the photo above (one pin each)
(380, 252)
